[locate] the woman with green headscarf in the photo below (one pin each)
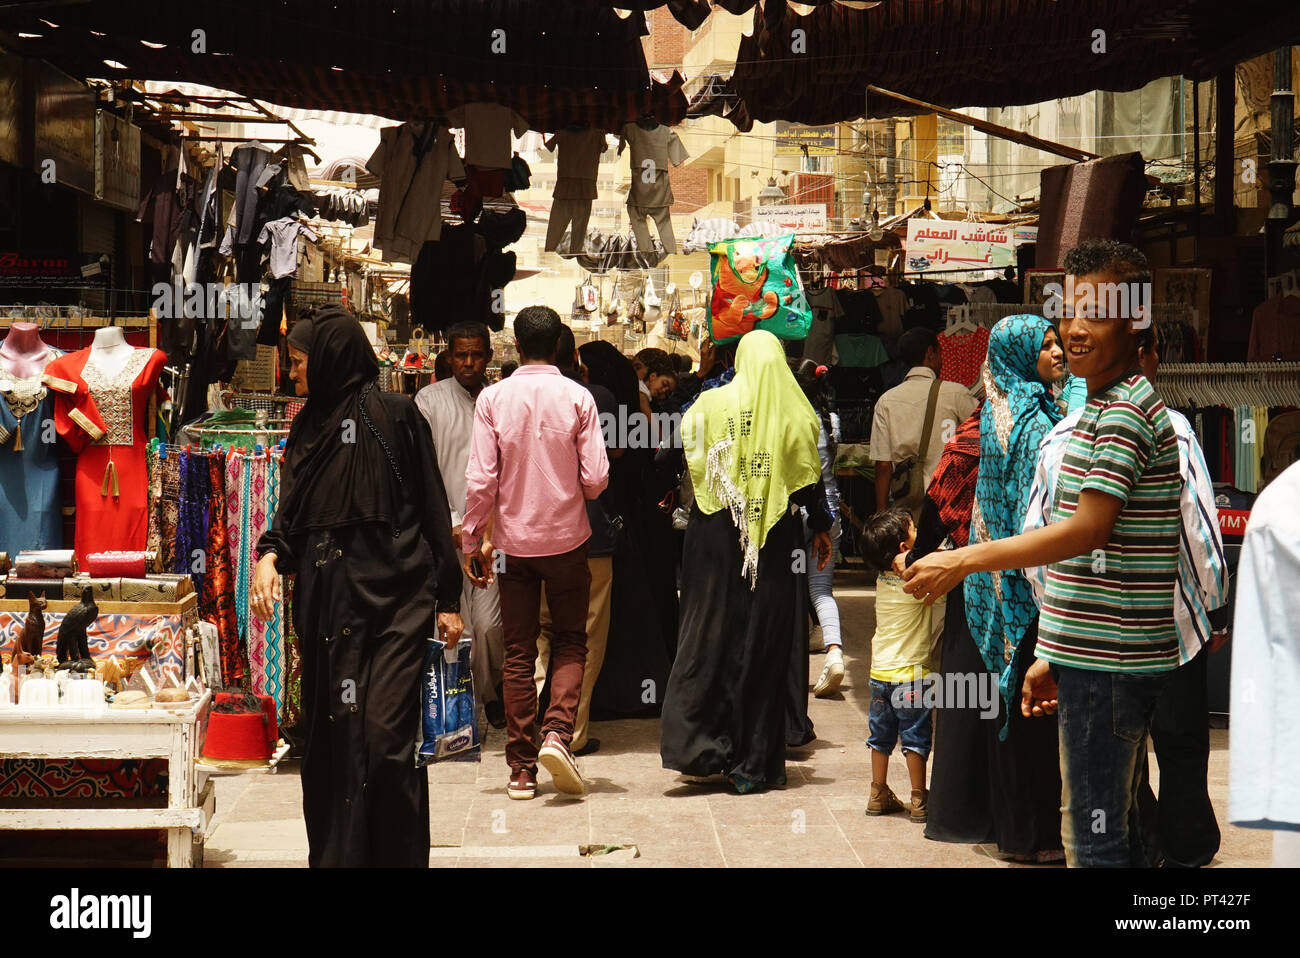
(738, 691)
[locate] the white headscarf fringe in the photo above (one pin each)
(717, 476)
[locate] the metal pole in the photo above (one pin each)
(1281, 165)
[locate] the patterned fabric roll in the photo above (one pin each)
(106, 589)
(119, 564)
(170, 513)
(45, 564)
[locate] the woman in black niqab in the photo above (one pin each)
(363, 523)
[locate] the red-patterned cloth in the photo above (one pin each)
(963, 355)
(952, 487)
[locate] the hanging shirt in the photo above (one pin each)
(487, 129)
(819, 346)
(892, 304)
(963, 355)
(1275, 330)
(652, 152)
(860, 351)
(577, 163)
(412, 161)
(283, 234)
(1263, 778)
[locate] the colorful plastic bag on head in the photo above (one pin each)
(756, 286)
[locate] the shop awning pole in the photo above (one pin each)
(984, 126)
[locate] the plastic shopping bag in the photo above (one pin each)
(756, 286)
(449, 718)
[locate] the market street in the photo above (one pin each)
(817, 820)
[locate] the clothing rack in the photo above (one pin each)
(1205, 384)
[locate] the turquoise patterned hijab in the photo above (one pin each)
(1018, 413)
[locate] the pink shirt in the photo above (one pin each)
(536, 455)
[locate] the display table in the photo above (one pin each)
(172, 734)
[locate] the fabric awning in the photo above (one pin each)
(404, 59)
(966, 53)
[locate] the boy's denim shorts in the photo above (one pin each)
(888, 723)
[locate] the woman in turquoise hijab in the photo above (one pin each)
(1024, 360)
(1021, 768)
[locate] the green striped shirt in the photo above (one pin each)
(1113, 610)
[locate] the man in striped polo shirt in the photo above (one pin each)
(1107, 641)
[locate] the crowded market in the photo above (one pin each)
(663, 410)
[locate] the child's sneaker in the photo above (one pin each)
(883, 801)
(832, 673)
(920, 801)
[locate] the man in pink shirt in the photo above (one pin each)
(536, 455)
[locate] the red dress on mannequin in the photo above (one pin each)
(102, 416)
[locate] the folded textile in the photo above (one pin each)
(45, 564)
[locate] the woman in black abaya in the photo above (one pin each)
(637, 649)
(364, 525)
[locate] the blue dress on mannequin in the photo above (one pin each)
(29, 465)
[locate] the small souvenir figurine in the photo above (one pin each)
(73, 648)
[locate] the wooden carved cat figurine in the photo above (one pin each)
(28, 644)
(73, 650)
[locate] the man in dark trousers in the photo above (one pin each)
(536, 456)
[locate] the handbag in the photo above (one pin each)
(907, 485)
(448, 720)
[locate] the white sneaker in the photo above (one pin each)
(832, 674)
(815, 642)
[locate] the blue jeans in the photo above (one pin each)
(819, 588)
(892, 715)
(1103, 722)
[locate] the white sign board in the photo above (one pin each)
(947, 245)
(803, 218)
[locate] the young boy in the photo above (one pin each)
(899, 660)
(1107, 640)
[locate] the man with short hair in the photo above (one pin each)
(600, 562)
(1179, 829)
(536, 456)
(899, 420)
(448, 406)
(1107, 638)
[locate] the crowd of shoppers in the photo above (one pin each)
(602, 575)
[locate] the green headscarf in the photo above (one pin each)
(752, 443)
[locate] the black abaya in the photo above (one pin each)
(730, 706)
(365, 603)
(983, 789)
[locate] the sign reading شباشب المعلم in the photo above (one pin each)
(947, 245)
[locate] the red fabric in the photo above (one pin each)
(952, 487)
(107, 522)
(115, 565)
(963, 355)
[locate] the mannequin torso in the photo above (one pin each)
(22, 353)
(110, 352)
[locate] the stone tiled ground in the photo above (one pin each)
(818, 819)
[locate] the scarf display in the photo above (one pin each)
(1019, 410)
(752, 443)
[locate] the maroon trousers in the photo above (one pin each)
(568, 586)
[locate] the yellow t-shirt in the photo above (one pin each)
(900, 649)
